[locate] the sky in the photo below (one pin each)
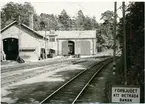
(91, 8)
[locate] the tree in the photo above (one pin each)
(95, 25)
(64, 19)
(106, 28)
(80, 19)
(50, 21)
(74, 23)
(53, 22)
(135, 44)
(87, 23)
(107, 16)
(11, 11)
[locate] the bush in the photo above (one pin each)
(113, 80)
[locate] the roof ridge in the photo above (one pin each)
(8, 25)
(23, 26)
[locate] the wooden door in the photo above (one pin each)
(65, 48)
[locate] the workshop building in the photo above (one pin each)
(19, 40)
(71, 42)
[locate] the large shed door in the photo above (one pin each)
(65, 48)
(10, 46)
(85, 47)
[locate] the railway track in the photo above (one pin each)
(33, 65)
(17, 72)
(69, 92)
(5, 81)
(40, 64)
(16, 75)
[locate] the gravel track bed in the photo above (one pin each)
(33, 93)
(95, 91)
(33, 65)
(19, 77)
(21, 72)
(67, 94)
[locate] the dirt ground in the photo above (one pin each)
(95, 92)
(34, 90)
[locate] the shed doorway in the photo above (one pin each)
(10, 47)
(71, 47)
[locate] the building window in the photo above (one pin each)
(51, 39)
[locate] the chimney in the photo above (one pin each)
(31, 20)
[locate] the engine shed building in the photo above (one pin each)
(21, 40)
(71, 42)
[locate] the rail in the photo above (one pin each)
(100, 65)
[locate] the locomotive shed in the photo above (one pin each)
(35, 89)
(22, 41)
(19, 40)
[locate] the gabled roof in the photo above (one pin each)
(9, 25)
(24, 26)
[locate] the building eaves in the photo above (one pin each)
(36, 33)
(25, 26)
(9, 25)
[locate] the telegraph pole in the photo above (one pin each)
(45, 44)
(124, 34)
(19, 40)
(114, 38)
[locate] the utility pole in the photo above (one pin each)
(124, 34)
(19, 37)
(114, 38)
(45, 44)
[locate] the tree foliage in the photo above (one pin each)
(11, 11)
(135, 43)
(107, 16)
(87, 23)
(49, 21)
(105, 30)
(95, 25)
(64, 20)
(80, 19)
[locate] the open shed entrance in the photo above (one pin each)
(71, 46)
(10, 47)
(68, 48)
